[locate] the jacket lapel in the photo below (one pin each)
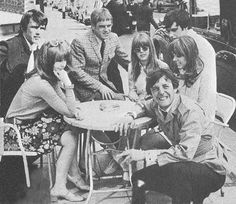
(95, 46)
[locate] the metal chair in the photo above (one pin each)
(225, 107)
(21, 152)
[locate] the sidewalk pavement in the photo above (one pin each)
(59, 28)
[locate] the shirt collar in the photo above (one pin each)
(172, 108)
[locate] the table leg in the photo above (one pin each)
(90, 167)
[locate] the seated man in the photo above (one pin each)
(192, 167)
(91, 54)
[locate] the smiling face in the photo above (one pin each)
(102, 29)
(142, 53)
(34, 32)
(180, 62)
(163, 92)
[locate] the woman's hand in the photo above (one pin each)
(124, 124)
(132, 155)
(79, 114)
(62, 75)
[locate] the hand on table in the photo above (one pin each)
(79, 114)
(133, 96)
(132, 155)
(124, 124)
(107, 93)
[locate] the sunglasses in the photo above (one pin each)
(141, 49)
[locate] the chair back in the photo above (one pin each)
(225, 106)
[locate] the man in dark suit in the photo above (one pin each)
(14, 57)
(145, 17)
(15, 54)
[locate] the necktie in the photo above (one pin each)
(164, 114)
(30, 65)
(102, 48)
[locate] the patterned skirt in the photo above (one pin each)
(40, 135)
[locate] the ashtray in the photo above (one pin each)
(108, 107)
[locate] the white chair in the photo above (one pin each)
(225, 107)
(24, 154)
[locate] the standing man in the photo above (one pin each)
(132, 9)
(177, 23)
(145, 17)
(91, 53)
(15, 54)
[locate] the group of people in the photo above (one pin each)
(180, 96)
(132, 15)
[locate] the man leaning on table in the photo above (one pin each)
(91, 55)
(192, 166)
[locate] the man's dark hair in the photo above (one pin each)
(158, 74)
(36, 16)
(180, 16)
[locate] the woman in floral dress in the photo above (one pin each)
(38, 109)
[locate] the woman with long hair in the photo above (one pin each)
(194, 78)
(38, 109)
(144, 63)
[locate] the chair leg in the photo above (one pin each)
(41, 161)
(49, 170)
(222, 193)
(26, 170)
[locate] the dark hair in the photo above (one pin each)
(157, 75)
(146, 2)
(50, 53)
(36, 16)
(180, 16)
(99, 15)
(185, 46)
(142, 39)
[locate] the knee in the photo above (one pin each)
(137, 181)
(68, 138)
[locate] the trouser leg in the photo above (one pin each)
(183, 181)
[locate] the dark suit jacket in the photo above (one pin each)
(144, 18)
(88, 69)
(14, 57)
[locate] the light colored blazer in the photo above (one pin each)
(88, 67)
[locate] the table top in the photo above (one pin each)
(103, 114)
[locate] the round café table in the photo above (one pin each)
(103, 115)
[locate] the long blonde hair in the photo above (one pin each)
(140, 40)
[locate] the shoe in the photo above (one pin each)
(111, 167)
(78, 182)
(67, 196)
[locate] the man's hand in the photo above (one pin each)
(133, 96)
(124, 124)
(132, 155)
(107, 93)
